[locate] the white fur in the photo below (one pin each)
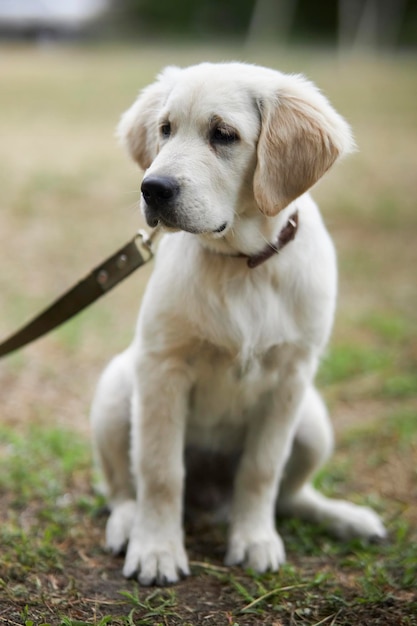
(224, 356)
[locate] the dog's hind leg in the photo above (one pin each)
(297, 497)
(312, 447)
(110, 422)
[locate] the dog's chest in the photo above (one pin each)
(245, 316)
(247, 336)
(228, 392)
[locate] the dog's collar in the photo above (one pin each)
(286, 235)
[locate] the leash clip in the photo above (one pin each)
(144, 241)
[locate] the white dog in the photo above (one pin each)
(234, 319)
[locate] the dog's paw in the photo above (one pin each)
(119, 526)
(351, 520)
(155, 561)
(261, 552)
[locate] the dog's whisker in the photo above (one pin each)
(133, 208)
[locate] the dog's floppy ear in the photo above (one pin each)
(301, 137)
(137, 129)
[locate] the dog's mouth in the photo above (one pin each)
(166, 224)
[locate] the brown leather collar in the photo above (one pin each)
(286, 235)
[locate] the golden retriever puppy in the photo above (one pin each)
(234, 319)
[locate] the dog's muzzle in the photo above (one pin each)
(160, 194)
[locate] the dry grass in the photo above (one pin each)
(68, 198)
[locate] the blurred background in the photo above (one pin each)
(69, 198)
(69, 195)
(346, 23)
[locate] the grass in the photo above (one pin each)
(51, 539)
(68, 198)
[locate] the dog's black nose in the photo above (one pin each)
(158, 191)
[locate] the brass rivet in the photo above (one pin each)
(121, 261)
(102, 277)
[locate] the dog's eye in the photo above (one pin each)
(223, 135)
(165, 129)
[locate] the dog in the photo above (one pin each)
(234, 319)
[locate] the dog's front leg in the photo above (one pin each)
(156, 553)
(253, 539)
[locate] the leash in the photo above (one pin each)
(110, 273)
(137, 252)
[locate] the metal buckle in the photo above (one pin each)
(145, 242)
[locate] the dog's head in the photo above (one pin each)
(218, 141)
